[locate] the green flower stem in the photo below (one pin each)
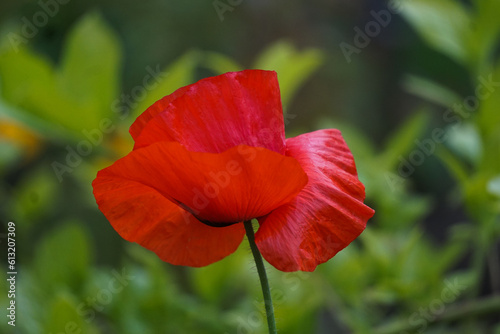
(271, 322)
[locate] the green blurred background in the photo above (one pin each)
(413, 85)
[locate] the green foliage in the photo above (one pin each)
(402, 141)
(473, 145)
(90, 68)
(293, 66)
(219, 63)
(444, 25)
(212, 282)
(63, 258)
(465, 142)
(78, 94)
(32, 199)
(63, 316)
(180, 73)
(430, 91)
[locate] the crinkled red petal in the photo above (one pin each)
(139, 213)
(328, 213)
(156, 108)
(218, 188)
(218, 113)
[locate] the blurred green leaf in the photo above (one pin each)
(90, 67)
(457, 168)
(219, 63)
(50, 130)
(348, 270)
(380, 252)
(28, 82)
(444, 25)
(430, 91)
(401, 142)
(488, 117)
(293, 67)
(63, 257)
(8, 155)
(465, 141)
(486, 29)
(35, 197)
(63, 317)
(494, 186)
(217, 283)
(178, 74)
(397, 208)
(77, 96)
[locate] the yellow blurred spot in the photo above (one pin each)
(20, 136)
(118, 145)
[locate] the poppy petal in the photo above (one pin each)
(218, 113)
(156, 108)
(140, 214)
(328, 213)
(218, 188)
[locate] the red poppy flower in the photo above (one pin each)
(212, 155)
